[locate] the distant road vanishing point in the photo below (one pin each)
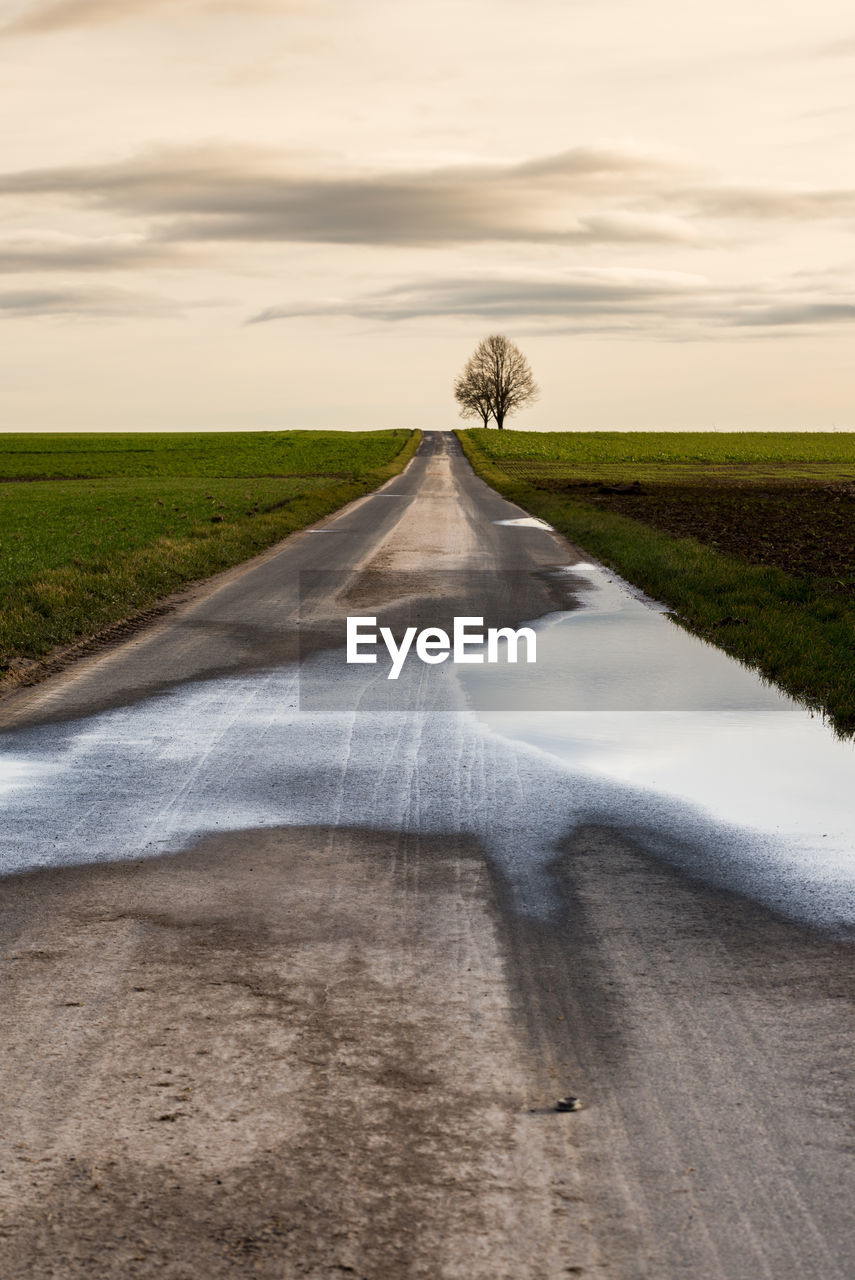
(298, 961)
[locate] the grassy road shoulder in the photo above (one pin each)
(797, 629)
(94, 530)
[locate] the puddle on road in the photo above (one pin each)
(650, 707)
(663, 738)
(525, 522)
(617, 652)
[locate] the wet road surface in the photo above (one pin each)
(358, 935)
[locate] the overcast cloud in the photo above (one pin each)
(214, 193)
(62, 15)
(389, 181)
(586, 195)
(103, 302)
(38, 18)
(674, 305)
(45, 251)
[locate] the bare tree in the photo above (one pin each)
(472, 393)
(496, 381)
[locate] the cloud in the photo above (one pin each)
(622, 226)
(582, 294)
(669, 304)
(581, 196)
(84, 302)
(62, 15)
(39, 18)
(795, 314)
(246, 194)
(758, 204)
(52, 251)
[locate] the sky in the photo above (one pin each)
(264, 214)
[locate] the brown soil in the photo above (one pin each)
(805, 530)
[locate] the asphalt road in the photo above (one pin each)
(296, 960)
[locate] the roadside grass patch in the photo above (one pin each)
(796, 628)
(80, 555)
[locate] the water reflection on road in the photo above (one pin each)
(645, 703)
(620, 694)
(626, 722)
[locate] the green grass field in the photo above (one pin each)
(767, 571)
(96, 528)
(217, 454)
(669, 456)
